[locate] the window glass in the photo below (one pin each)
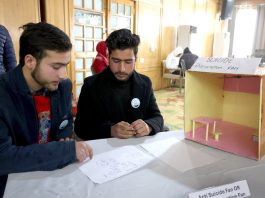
(128, 10)
(78, 46)
(89, 63)
(78, 31)
(113, 8)
(78, 90)
(98, 5)
(121, 9)
(94, 19)
(79, 77)
(79, 63)
(124, 22)
(89, 46)
(78, 3)
(98, 34)
(88, 32)
(114, 21)
(98, 20)
(127, 23)
(79, 16)
(95, 44)
(88, 4)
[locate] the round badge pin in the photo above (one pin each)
(63, 124)
(135, 103)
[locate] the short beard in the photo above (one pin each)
(34, 74)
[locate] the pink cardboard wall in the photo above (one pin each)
(246, 84)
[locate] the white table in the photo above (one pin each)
(156, 180)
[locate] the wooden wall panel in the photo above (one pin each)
(15, 13)
(148, 26)
(170, 21)
(154, 75)
(59, 13)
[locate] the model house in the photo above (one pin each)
(224, 101)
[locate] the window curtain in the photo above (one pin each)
(259, 43)
(244, 31)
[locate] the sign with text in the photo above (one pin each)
(238, 189)
(227, 65)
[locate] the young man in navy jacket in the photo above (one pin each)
(35, 106)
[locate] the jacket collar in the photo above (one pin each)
(18, 82)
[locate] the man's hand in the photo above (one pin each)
(122, 130)
(83, 151)
(141, 128)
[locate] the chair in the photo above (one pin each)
(183, 67)
(173, 77)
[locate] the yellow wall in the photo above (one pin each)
(262, 120)
(203, 96)
(241, 108)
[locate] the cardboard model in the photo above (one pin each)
(224, 105)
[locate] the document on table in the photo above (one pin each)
(115, 163)
(178, 154)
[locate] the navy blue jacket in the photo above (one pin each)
(19, 128)
(97, 109)
(7, 54)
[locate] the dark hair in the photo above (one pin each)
(123, 39)
(186, 50)
(38, 37)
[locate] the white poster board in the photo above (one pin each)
(247, 66)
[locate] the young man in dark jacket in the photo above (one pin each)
(118, 102)
(35, 106)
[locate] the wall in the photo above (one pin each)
(58, 12)
(148, 26)
(15, 13)
(248, 2)
(156, 23)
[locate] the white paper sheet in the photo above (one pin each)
(178, 154)
(115, 163)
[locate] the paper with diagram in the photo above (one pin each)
(115, 163)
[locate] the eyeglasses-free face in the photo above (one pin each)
(122, 63)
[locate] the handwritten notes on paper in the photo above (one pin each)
(227, 65)
(115, 163)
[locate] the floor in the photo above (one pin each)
(234, 138)
(171, 105)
